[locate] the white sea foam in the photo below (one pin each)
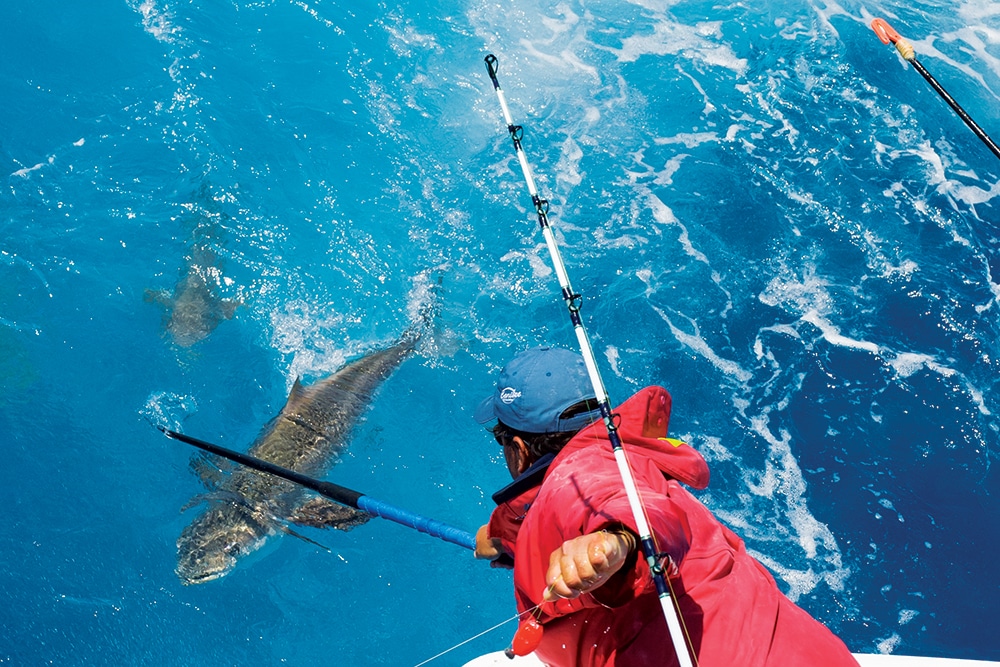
(537, 259)
(303, 331)
(712, 449)
(832, 335)
(646, 276)
(568, 172)
(699, 345)
(787, 129)
(611, 354)
(666, 175)
(808, 297)
(709, 108)
(970, 194)
(665, 216)
(24, 171)
(168, 409)
(565, 60)
(799, 294)
(689, 139)
(157, 21)
(889, 644)
(628, 241)
(782, 478)
(800, 582)
(662, 213)
(937, 175)
(699, 43)
(568, 34)
(423, 292)
(976, 51)
(774, 506)
(974, 38)
(404, 36)
(614, 356)
(907, 363)
(311, 11)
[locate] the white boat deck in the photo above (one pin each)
(498, 659)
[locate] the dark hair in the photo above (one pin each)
(540, 444)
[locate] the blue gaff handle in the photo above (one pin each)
(337, 493)
(432, 527)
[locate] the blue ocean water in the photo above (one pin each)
(766, 210)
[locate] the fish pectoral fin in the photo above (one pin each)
(161, 297)
(194, 502)
(291, 532)
(218, 496)
(229, 307)
(209, 469)
(324, 513)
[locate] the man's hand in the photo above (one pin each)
(487, 548)
(584, 563)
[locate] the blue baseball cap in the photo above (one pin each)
(536, 387)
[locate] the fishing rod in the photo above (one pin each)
(337, 493)
(573, 301)
(886, 34)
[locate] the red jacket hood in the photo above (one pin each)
(642, 427)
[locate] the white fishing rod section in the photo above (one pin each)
(573, 300)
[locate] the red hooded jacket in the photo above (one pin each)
(730, 605)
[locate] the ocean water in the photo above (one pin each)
(766, 211)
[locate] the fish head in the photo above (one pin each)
(196, 310)
(190, 318)
(211, 545)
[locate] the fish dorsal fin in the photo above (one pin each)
(296, 395)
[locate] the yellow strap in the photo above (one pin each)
(905, 49)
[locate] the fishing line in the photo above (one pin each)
(484, 632)
(886, 34)
(573, 303)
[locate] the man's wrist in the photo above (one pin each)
(630, 540)
(626, 540)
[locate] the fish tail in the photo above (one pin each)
(423, 305)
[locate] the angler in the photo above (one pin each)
(581, 507)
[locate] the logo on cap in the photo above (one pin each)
(508, 394)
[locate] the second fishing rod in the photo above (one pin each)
(654, 559)
(887, 34)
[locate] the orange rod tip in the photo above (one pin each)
(884, 31)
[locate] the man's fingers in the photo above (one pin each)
(570, 573)
(603, 550)
(579, 566)
(487, 548)
(553, 577)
